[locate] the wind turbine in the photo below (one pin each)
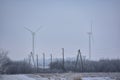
(33, 40)
(90, 37)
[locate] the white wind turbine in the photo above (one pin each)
(90, 34)
(33, 41)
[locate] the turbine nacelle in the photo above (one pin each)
(89, 33)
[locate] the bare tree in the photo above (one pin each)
(3, 60)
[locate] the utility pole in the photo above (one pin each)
(37, 61)
(81, 61)
(43, 60)
(24, 64)
(63, 59)
(76, 61)
(51, 61)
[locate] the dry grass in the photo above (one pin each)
(77, 78)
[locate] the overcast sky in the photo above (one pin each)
(65, 24)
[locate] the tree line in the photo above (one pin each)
(103, 65)
(8, 66)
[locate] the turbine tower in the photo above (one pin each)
(33, 40)
(90, 37)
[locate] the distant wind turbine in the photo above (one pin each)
(90, 37)
(33, 40)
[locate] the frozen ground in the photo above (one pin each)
(63, 76)
(97, 78)
(15, 77)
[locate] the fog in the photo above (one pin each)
(65, 24)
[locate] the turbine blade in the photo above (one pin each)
(38, 29)
(28, 29)
(91, 26)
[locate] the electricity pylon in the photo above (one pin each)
(79, 56)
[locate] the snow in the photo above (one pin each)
(97, 78)
(37, 77)
(15, 77)
(20, 77)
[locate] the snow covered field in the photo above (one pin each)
(15, 77)
(97, 78)
(64, 76)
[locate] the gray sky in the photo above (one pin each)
(65, 24)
